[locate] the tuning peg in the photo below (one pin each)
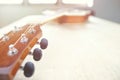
(28, 69)
(24, 39)
(12, 50)
(5, 38)
(44, 43)
(32, 30)
(16, 28)
(37, 54)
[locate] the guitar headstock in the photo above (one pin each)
(16, 45)
(16, 41)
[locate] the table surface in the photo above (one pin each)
(86, 51)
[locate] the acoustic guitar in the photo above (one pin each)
(16, 44)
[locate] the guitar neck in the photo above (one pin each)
(52, 15)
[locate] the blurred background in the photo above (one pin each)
(12, 10)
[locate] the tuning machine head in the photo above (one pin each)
(32, 30)
(5, 38)
(28, 69)
(43, 43)
(12, 50)
(37, 54)
(24, 39)
(16, 29)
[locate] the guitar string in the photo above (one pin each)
(25, 32)
(31, 25)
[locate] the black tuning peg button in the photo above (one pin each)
(43, 43)
(29, 69)
(37, 54)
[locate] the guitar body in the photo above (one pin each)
(74, 17)
(10, 63)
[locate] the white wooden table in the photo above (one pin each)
(88, 51)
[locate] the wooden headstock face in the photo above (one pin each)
(15, 46)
